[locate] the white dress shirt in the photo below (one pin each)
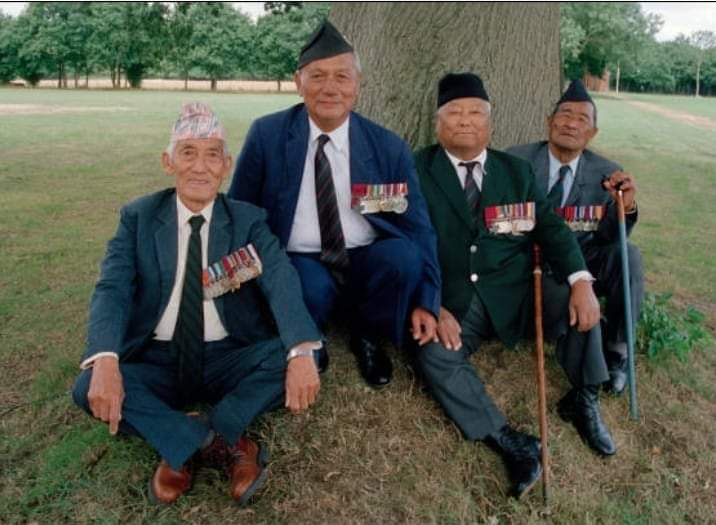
(306, 232)
(478, 172)
(568, 182)
(213, 329)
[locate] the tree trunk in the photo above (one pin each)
(698, 77)
(278, 83)
(617, 81)
(186, 81)
(213, 84)
(514, 47)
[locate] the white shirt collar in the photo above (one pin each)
(339, 136)
(481, 158)
(184, 213)
(555, 164)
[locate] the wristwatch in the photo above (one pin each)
(299, 352)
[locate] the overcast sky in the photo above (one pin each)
(679, 17)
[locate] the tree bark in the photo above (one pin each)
(405, 48)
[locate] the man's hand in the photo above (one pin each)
(302, 383)
(423, 326)
(621, 180)
(449, 330)
(583, 306)
(106, 393)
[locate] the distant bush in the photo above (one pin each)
(663, 329)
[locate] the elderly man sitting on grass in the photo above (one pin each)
(196, 303)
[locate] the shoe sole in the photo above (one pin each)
(528, 487)
(262, 460)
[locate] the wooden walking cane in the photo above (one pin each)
(631, 368)
(541, 389)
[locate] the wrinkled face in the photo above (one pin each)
(329, 88)
(463, 126)
(199, 166)
(572, 126)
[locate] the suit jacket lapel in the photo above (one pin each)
(165, 246)
(540, 165)
(445, 178)
(362, 165)
(219, 241)
(296, 149)
(493, 186)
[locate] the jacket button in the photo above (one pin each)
(473, 248)
(473, 277)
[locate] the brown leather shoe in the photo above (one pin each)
(168, 484)
(248, 471)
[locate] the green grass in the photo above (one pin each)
(702, 106)
(360, 455)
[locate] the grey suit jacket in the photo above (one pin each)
(587, 189)
(139, 268)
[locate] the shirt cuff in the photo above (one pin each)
(87, 363)
(582, 275)
(305, 347)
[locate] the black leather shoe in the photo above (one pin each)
(581, 407)
(521, 454)
(321, 357)
(373, 362)
(617, 366)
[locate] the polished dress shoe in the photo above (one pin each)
(168, 484)
(321, 358)
(617, 367)
(373, 362)
(581, 407)
(248, 469)
(521, 454)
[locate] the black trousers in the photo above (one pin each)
(455, 384)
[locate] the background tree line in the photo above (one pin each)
(207, 40)
(618, 37)
(214, 40)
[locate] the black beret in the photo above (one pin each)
(576, 92)
(326, 42)
(460, 85)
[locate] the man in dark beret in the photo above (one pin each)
(582, 186)
(487, 212)
(342, 197)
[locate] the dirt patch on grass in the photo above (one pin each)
(45, 109)
(679, 116)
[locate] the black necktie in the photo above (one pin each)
(556, 194)
(333, 245)
(189, 330)
(472, 192)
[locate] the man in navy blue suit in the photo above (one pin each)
(196, 302)
(342, 197)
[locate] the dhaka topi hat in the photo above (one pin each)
(326, 42)
(576, 92)
(197, 121)
(460, 85)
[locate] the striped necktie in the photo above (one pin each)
(472, 192)
(189, 331)
(333, 245)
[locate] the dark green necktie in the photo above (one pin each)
(556, 194)
(189, 330)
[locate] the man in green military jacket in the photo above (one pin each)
(487, 212)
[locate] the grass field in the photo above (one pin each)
(69, 160)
